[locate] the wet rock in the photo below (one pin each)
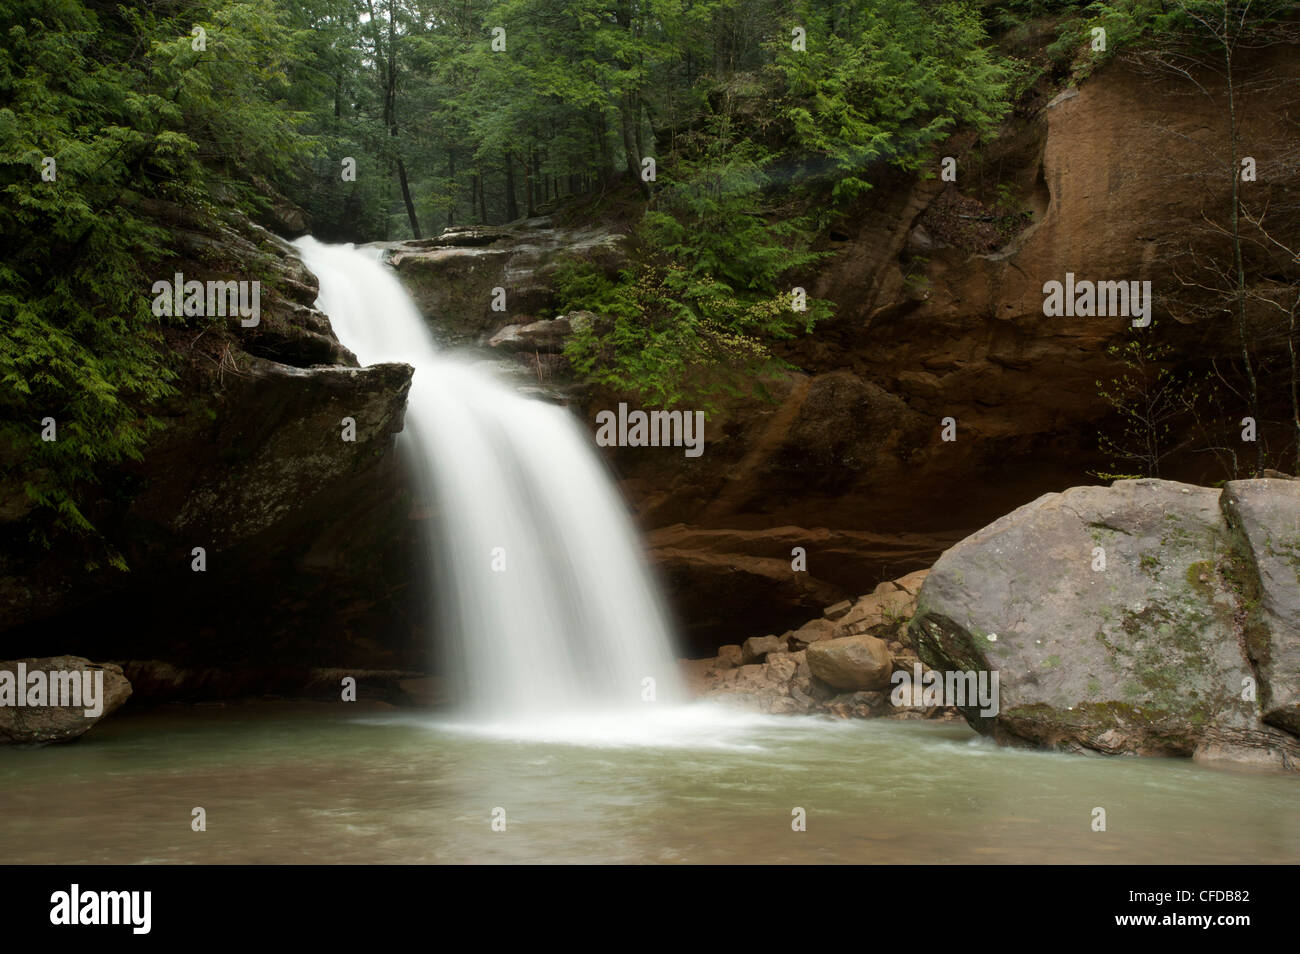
(63, 678)
(860, 705)
(546, 336)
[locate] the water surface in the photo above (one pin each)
(327, 783)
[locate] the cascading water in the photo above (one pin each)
(544, 601)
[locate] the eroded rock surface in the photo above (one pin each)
(1129, 619)
(452, 277)
(305, 536)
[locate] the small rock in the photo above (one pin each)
(912, 582)
(838, 609)
(729, 657)
(757, 647)
(813, 631)
(877, 609)
(781, 668)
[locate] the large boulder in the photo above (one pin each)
(1118, 620)
(851, 662)
(31, 690)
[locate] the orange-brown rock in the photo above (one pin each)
(848, 463)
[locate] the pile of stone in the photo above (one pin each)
(839, 664)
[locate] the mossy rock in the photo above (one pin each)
(1144, 656)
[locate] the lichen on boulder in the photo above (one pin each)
(1117, 618)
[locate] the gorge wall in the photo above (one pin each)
(848, 462)
(306, 537)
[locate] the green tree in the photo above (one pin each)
(137, 120)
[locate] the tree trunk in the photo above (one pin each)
(529, 175)
(451, 177)
(630, 108)
(630, 150)
(389, 66)
(606, 160)
(512, 203)
(406, 197)
(1238, 262)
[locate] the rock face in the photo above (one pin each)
(1131, 618)
(1264, 516)
(306, 538)
(848, 461)
(736, 582)
(452, 277)
(62, 678)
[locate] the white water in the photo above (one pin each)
(571, 629)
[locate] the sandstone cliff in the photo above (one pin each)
(848, 462)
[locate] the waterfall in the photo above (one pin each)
(544, 605)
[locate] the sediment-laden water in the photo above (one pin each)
(325, 783)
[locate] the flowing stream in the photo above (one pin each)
(549, 617)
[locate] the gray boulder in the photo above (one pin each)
(42, 683)
(1117, 618)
